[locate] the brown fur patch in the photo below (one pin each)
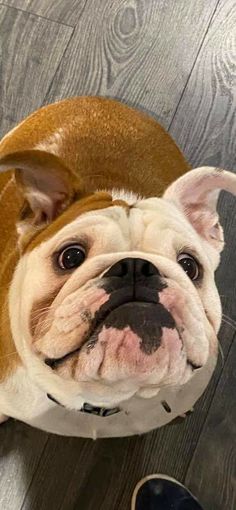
(99, 200)
(104, 143)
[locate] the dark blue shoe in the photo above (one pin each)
(160, 492)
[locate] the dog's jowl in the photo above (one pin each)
(108, 248)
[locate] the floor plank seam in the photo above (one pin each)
(194, 63)
(59, 63)
(209, 407)
(2, 4)
(34, 474)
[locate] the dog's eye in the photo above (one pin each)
(71, 257)
(189, 265)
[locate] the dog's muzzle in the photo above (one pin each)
(133, 333)
(133, 285)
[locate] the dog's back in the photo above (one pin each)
(104, 142)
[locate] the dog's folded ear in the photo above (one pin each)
(47, 184)
(196, 194)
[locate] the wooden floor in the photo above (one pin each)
(177, 60)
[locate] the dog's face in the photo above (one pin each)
(122, 299)
(113, 299)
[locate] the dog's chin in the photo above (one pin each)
(137, 344)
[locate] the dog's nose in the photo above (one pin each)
(133, 267)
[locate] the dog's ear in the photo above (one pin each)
(196, 194)
(47, 184)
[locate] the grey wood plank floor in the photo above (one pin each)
(31, 50)
(176, 60)
(65, 11)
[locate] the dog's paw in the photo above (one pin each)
(3, 418)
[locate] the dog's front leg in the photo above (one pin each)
(3, 418)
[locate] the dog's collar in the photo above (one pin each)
(90, 409)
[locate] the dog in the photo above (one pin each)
(109, 244)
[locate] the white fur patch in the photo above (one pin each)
(154, 230)
(122, 194)
(53, 143)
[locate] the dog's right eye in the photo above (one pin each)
(71, 257)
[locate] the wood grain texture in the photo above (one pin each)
(140, 51)
(226, 273)
(102, 474)
(204, 126)
(25, 73)
(64, 11)
(212, 472)
(20, 450)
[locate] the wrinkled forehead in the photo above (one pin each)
(149, 224)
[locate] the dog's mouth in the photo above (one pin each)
(144, 298)
(142, 313)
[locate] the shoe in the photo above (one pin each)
(160, 492)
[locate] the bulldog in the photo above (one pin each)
(109, 244)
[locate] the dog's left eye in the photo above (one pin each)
(189, 265)
(71, 257)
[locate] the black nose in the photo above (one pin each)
(132, 267)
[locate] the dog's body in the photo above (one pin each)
(102, 333)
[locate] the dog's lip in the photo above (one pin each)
(54, 362)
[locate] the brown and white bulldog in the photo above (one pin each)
(108, 248)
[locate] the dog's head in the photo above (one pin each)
(112, 297)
